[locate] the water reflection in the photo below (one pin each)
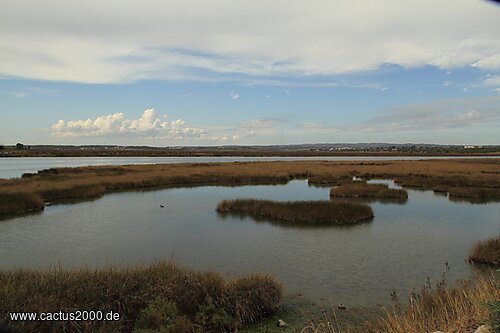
(284, 224)
(477, 201)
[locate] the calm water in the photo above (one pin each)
(15, 166)
(403, 246)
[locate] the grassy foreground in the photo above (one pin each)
(307, 212)
(55, 185)
(486, 252)
(159, 296)
(460, 309)
(364, 190)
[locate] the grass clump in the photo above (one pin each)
(459, 309)
(474, 192)
(160, 296)
(20, 202)
(486, 252)
(162, 316)
(462, 308)
(308, 212)
(364, 190)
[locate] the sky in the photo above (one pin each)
(249, 72)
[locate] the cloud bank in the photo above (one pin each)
(152, 127)
(109, 42)
(149, 125)
(436, 115)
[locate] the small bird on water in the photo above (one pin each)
(162, 206)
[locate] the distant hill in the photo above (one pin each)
(316, 149)
(305, 146)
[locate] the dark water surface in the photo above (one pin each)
(403, 246)
(13, 167)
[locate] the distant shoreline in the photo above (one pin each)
(229, 153)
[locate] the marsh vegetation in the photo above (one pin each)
(461, 308)
(364, 190)
(12, 203)
(191, 301)
(486, 252)
(306, 212)
(477, 177)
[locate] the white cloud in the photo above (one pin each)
(311, 125)
(442, 114)
(42, 91)
(492, 80)
(492, 62)
(17, 93)
(260, 123)
(31, 90)
(149, 125)
(103, 42)
(469, 52)
(249, 129)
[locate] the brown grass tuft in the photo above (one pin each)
(249, 298)
(460, 309)
(486, 252)
(20, 202)
(309, 212)
(474, 192)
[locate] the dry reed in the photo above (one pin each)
(307, 212)
(486, 252)
(128, 291)
(459, 309)
(20, 202)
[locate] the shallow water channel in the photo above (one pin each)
(358, 265)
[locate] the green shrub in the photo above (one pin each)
(211, 316)
(494, 309)
(160, 315)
